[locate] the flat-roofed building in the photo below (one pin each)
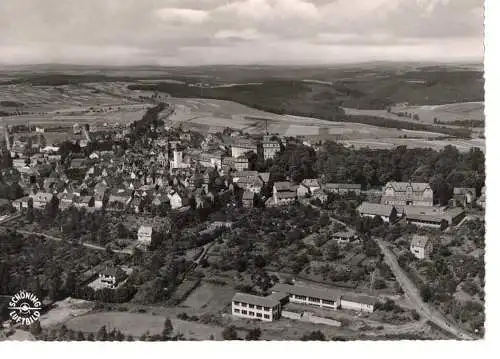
(321, 297)
(359, 303)
(256, 307)
(432, 216)
(421, 246)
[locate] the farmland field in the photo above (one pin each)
(208, 113)
(443, 113)
(137, 324)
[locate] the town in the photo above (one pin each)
(240, 233)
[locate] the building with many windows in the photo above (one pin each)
(256, 307)
(408, 194)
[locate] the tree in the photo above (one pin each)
(102, 334)
(316, 335)
(253, 334)
(229, 333)
(36, 328)
(426, 293)
(167, 327)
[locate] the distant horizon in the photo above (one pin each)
(291, 65)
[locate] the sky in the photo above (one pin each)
(268, 32)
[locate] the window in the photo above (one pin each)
(252, 314)
(259, 315)
(328, 302)
(259, 307)
(236, 303)
(266, 309)
(266, 316)
(244, 312)
(236, 310)
(315, 300)
(244, 305)
(251, 306)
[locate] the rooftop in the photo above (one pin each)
(402, 186)
(255, 300)
(375, 209)
(419, 241)
(321, 293)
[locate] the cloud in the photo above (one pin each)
(249, 31)
(182, 15)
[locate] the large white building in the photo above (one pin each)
(270, 147)
(256, 307)
(408, 194)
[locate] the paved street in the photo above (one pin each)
(413, 295)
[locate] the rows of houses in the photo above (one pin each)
(269, 308)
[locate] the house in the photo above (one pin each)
(387, 212)
(248, 199)
(464, 195)
(255, 307)
(320, 195)
(177, 161)
(271, 146)
(408, 194)
(242, 146)
(342, 188)
(19, 162)
(144, 235)
(421, 246)
(83, 201)
(100, 191)
(65, 199)
(20, 203)
(359, 303)
(248, 180)
(111, 276)
(119, 199)
(41, 199)
(176, 201)
(345, 236)
(211, 159)
(308, 187)
(283, 193)
(241, 163)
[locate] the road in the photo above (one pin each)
(85, 244)
(413, 295)
(412, 292)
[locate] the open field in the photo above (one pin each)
(52, 106)
(443, 113)
(65, 310)
(388, 143)
(210, 114)
(137, 324)
(209, 297)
